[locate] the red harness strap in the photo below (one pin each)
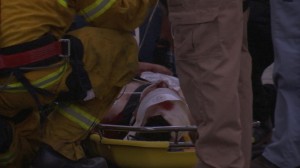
(30, 56)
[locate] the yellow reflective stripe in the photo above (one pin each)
(79, 116)
(6, 158)
(63, 3)
(40, 83)
(96, 9)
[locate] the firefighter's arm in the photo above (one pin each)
(123, 15)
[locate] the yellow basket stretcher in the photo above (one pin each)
(143, 154)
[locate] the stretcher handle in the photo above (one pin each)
(146, 129)
(153, 129)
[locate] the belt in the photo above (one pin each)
(45, 50)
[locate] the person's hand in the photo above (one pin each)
(144, 66)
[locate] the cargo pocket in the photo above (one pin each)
(197, 41)
(194, 26)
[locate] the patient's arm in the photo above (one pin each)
(145, 66)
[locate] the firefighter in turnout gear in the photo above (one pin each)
(75, 75)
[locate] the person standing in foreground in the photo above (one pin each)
(214, 68)
(284, 149)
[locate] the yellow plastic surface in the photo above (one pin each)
(142, 154)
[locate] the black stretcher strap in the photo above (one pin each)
(131, 105)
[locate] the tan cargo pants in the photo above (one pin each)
(214, 68)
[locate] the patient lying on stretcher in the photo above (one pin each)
(153, 99)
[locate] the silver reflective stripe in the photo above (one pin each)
(82, 118)
(63, 3)
(41, 83)
(96, 9)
